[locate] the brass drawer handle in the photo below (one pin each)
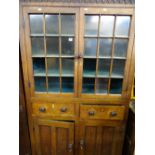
(42, 109)
(113, 114)
(70, 147)
(81, 144)
(63, 109)
(91, 113)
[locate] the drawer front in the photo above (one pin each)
(55, 109)
(102, 112)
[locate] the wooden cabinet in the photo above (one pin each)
(78, 70)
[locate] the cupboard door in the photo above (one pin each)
(106, 47)
(54, 137)
(52, 42)
(99, 138)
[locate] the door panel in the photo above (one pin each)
(54, 137)
(52, 45)
(99, 138)
(106, 40)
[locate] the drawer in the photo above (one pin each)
(102, 112)
(54, 109)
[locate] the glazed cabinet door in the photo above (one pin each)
(100, 138)
(51, 42)
(54, 137)
(106, 41)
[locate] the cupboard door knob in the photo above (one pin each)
(91, 113)
(63, 109)
(81, 144)
(42, 109)
(70, 147)
(113, 113)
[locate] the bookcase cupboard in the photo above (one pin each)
(78, 70)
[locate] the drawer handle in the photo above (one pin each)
(113, 113)
(70, 147)
(63, 109)
(81, 144)
(91, 113)
(42, 109)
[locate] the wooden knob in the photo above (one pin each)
(113, 113)
(63, 109)
(91, 113)
(42, 109)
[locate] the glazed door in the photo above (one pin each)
(105, 48)
(54, 137)
(100, 138)
(51, 36)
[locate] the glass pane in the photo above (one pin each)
(40, 84)
(118, 68)
(67, 84)
(67, 45)
(53, 84)
(106, 26)
(102, 86)
(67, 24)
(88, 85)
(121, 46)
(104, 67)
(36, 24)
(116, 86)
(67, 67)
(122, 25)
(39, 66)
(37, 46)
(52, 24)
(91, 25)
(90, 47)
(53, 66)
(105, 48)
(52, 45)
(89, 67)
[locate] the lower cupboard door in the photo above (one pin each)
(101, 139)
(54, 137)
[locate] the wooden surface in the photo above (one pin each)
(85, 1)
(54, 137)
(24, 137)
(129, 143)
(102, 112)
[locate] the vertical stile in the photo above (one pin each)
(112, 55)
(44, 30)
(60, 61)
(97, 51)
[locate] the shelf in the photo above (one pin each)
(52, 35)
(121, 58)
(89, 74)
(52, 56)
(36, 35)
(38, 56)
(39, 74)
(89, 57)
(67, 56)
(67, 75)
(117, 76)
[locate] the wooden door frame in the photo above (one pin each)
(128, 73)
(42, 10)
